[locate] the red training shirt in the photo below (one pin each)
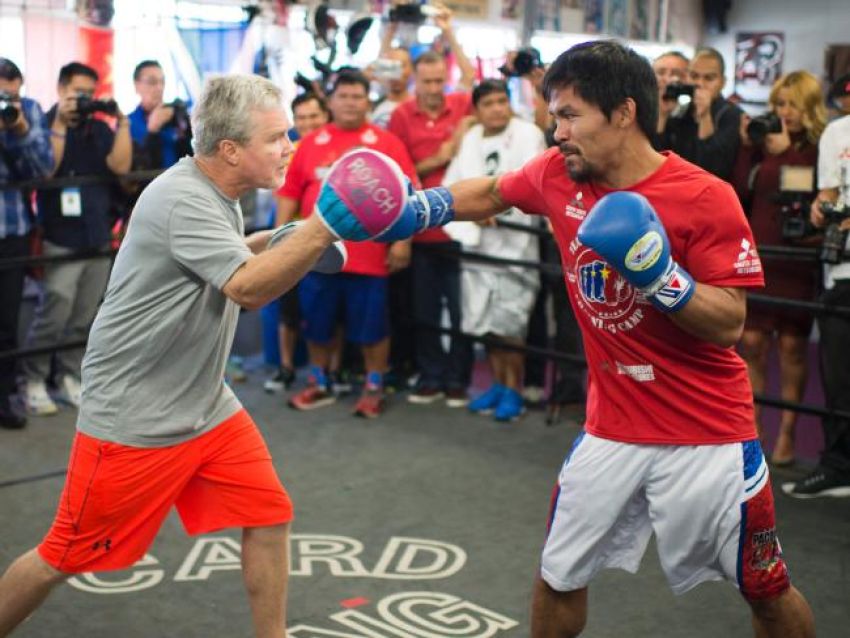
(650, 381)
(309, 165)
(422, 135)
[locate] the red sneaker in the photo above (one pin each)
(311, 397)
(370, 404)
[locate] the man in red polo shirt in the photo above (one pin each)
(431, 124)
(359, 292)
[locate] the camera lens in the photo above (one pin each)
(763, 125)
(8, 113)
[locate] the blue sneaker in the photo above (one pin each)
(511, 406)
(487, 402)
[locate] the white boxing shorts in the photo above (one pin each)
(710, 507)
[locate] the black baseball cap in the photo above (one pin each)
(9, 71)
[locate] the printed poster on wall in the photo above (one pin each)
(758, 63)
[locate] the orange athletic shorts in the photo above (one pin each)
(117, 496)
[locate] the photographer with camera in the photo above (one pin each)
(161, 132)
(74, 219)
(671, 70)
(526, 63)
(774, 178)
(831, 211)
(704, 128)
(25, 153)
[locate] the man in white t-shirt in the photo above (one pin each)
(497, 300)
(832, 475)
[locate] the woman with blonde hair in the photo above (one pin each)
(774, 177)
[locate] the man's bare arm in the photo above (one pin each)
(477, 199)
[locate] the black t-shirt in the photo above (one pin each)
(86, 148)
(716, 153)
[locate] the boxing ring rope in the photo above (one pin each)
(549, 269)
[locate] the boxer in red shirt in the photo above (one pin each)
(657, 257)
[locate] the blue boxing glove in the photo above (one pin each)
(625, 230)
(424, 209)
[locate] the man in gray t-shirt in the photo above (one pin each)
(157, 425)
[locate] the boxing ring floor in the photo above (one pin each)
(425, 523)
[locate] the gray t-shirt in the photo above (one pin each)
(153, 372)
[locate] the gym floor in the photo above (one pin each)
(425, 523)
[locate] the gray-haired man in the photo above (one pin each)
(153, 399)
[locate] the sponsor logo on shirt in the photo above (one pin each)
(323, 138)
(641, 373)
(609, 300)
(747, 260)
(575, 208)
(369, 137)
(645, 252)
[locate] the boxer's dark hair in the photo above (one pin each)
(604, 73)
(488, 87)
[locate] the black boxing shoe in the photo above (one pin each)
(10, 419)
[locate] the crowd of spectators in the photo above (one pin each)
(390, 297)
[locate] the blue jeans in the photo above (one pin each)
(436, 281)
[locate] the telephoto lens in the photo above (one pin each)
(9, 112)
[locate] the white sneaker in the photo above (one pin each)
(38, 401)
(71, 390)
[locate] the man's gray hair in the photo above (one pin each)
(226, 107)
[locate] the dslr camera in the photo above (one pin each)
(87, 106)
(527, 59)
(834, 239)
(411, 13)
(796, 191)
(762, 126)
(677, 90)
(683, 95)
(9, 111)
(387, 69)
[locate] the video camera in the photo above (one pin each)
(9, 111)
(526, 60)
(762, 126)
(411, 13)
(796, 191)
(87, 106)
(834, 239)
